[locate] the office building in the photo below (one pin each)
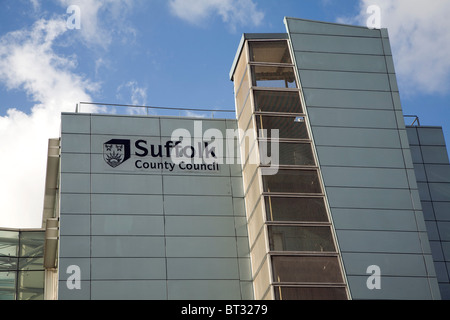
(432, 169)
(314, 189)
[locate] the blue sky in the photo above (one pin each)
(171, 53)
(175, 61)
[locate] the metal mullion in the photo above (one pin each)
(310, 284)
(286, 140)
(296, 168)
(293, 195)
(271, 64)
(279, 114)
(297, 223)
(280, 89)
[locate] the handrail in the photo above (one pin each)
(147, 108)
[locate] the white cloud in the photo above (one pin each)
(138, 96)
(96, 32)
(234, 12)
(420, 40)
(101, 63)
(28, 63)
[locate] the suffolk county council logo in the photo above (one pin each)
(116, 152)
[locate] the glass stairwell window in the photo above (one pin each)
(274, 77)
(270, 51)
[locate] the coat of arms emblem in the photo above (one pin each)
(116, 152)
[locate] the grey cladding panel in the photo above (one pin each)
(203, 289)
(116, 225)
(434, 154)
(379, 241)
(204, 268)
(195, 185)
(337, 44)
(356, 137)
(199, 226)
(318, 27)
(75, 143)
(371, 219)
(185, 205)
(128, 268)
(412, 135)
(360, 157)
(442, 210)
(368, 198)
(75, 203)
(344, 80)
(437, 173)
(130, 246)
(75, 183)
(364, 177)
(75, 246)
(348, 99)
(340, 62)
(207, 247)
(129, 290)
(439, 191)
(402, 288)
(390, 264)
(75, 225)
(75, 123)
(75, 163)
(126, 184)
(431, 136)
(365, 118)
(120, 204)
